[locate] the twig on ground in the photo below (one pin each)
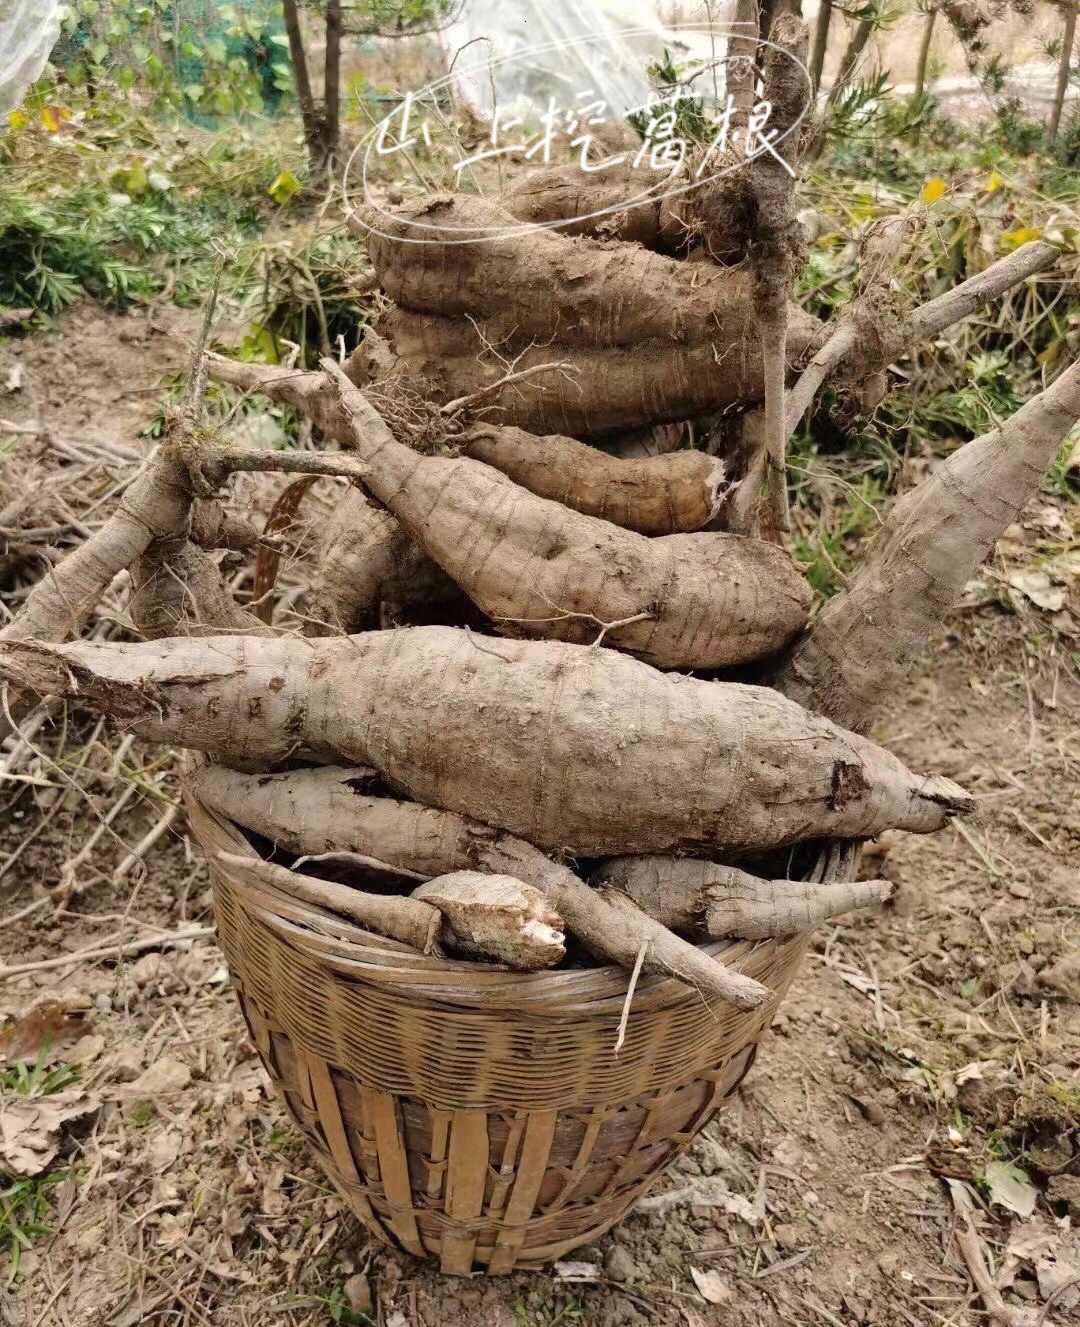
(69, 885)
(126, 950)
(136, 855)
(967, 1241)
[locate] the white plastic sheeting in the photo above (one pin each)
(528, 51)
(28, 32)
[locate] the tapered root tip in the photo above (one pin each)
(948, 796)
(745, 992)
(878, 891)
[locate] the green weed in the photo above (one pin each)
(35, 1080)
(24, 1204)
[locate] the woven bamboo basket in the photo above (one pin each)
(469, 1113)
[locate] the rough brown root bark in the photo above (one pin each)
(410, 920)
(547, 286)
(156, 505)
(676, 493)
(212, 526)
(872, 330)
(601, 391)
(611, 202)
(496, 917)
(325, 810)
(656, 495)
(367, 568)
(865, 638)
(706, 898)
(567, 746)
(177, 590)
(536, 568)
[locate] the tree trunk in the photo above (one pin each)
(1067, 39)
(309, 116)
(924, 53)
(821, 41)
(767, 10)
(855, 48)
(331, 119)
(741, 54)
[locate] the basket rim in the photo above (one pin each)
(359, 955)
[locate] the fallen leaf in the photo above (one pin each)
(31, 1128)
(1061, 976)
(711, 1285)
(172, 1231)
(1012, 239)
(962, 1194)
(1059, 1276)
(47, 1027)
(703, 1195)
(163, 1150)
(1031, 1241)
(284, 187)
(1036, 585)
(1010, 1187)
(165, 1075)
(54, 116)
(975, 1071)
(86, 1048)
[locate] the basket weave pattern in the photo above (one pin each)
(470, 1113)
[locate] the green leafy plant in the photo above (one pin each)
(35, 1080)
(24, 1205)
(204, 58)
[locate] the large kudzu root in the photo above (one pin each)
(933, 539)
(537, 568)
(544, 285)
(679, 492)
(156, 505)
(705, 898)
(569, 747)
(612, 201)
(587, 392)
(367, 570)
(318, 811)
(177, 590)
(655, 495)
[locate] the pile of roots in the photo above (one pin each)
(553, 698)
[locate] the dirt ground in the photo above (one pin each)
(922, 1079)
